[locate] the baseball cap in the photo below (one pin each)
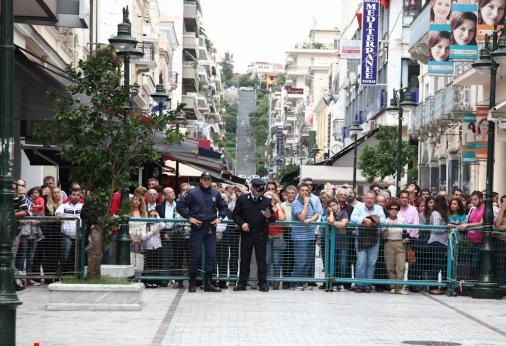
(257, 182)
(205, 174)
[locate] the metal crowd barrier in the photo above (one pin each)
(44, 252)
(331, 256)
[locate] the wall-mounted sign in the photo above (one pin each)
(369, 63)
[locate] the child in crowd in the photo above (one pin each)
(37, 208)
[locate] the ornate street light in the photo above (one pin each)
(401, 102)
(160, 96)
(355, 130)
(491, 56)
(8, 298)
(125, 46)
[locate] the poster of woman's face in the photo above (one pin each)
(440, 11)
(491, 12)
(463, 26)
(439, 45)
(482, 131)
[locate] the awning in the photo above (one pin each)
(330, 174)
(346, 154)
(42, 156)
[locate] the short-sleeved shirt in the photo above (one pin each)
(303, 232)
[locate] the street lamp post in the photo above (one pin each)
(491, 56)
(8, 297)
(355, 130)
(401, 100)
(125, 46)
(180, 119)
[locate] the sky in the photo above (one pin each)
(263, 30)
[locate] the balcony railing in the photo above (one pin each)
(148, 48)
(419, 27)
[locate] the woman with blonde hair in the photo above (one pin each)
(136, 229)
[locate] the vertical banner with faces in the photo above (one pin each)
(464, 21)
(490, 14)
(440, 38)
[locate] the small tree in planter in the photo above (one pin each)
(102, 139)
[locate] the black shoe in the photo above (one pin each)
(312, 284)
(367, 289)
(323, 286)
(192, 283)
(223, 285)
(263, 288)
(414, 289)
(275, 286)
(209, 285)
(239, 287)
(286, 286)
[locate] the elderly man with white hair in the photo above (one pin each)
(151, 197)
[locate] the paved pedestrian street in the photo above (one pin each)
(285, 317)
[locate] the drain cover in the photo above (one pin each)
(430, 343)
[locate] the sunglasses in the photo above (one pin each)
(394, 208)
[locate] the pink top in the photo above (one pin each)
(410, 214)
(476, 215)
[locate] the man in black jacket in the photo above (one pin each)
(252, 214)
(204, 208)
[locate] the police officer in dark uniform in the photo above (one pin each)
(252, 213)
(204, 208)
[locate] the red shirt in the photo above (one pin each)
(38, 206)
(275, 231)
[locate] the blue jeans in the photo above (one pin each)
(26, 251)
(366, 262)
(500, 252)
(303, 257)
(67, 253)
(341, 260)
(273, 258)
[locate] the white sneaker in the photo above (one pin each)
(403, 292)
(342, 289)
(300, 288)
(393, 291)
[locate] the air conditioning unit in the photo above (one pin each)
(373, 125)
(353, 78)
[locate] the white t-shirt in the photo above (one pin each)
(69, 227)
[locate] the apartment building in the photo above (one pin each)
(48, 36)
(293, 119)
(438, 122)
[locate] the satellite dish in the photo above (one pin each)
(336, 148)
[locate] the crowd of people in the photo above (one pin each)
(365, 231)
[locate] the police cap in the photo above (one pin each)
(258, 182)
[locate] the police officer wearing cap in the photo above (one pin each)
(204, 208)
(252, 213)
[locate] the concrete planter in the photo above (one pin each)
(115, 271)
(84, 297)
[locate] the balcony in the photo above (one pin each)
(190, 78)
(173, 80)
(190, 108)
(190, 41)
(148, 84)
(202, 104)
(418, 33)
(428, 111)
(149, 49)
(190, 9)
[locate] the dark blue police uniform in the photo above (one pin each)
(204, 205)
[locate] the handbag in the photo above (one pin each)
(368, 236)
(410, 255)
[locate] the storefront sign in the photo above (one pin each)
(350, 49)
(369, 63)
